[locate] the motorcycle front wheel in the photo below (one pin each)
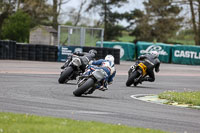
(65, 74)
(133, 76)
(84, 87)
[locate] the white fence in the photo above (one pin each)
(79, 36)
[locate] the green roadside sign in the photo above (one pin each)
(189, 55)
(164, 50)
(127, 50)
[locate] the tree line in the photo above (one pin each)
(158, 21)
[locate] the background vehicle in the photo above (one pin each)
(91, 80)
(138, 71)
(71, 71)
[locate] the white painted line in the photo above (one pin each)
(143, 95)
(152, 98)
(92, 112)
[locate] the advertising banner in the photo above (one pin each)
(64, 51)
(164, 50)
(127, 50)
(189, 55)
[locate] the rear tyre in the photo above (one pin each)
(84, 87)
(65, 74)
(130, 80)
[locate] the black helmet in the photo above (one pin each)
(93, 51)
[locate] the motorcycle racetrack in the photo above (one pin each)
(32, 87)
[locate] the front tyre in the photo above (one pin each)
(65, 74)
(133, 76)
(84, 87)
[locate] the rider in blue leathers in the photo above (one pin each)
(108, 66)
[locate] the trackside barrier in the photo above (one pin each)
(7, 49)
(36, 52)
(164, 50)
(13, 50)
(179, 54)
(65, 51)
(189, 55)
(127, 50)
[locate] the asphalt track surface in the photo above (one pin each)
(32, 87)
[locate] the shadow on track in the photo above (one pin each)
(142, 87)
(96, 97)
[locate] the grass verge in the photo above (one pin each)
(192, 98)
(25, 123)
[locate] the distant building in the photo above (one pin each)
(43, 35)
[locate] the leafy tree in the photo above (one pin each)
(16, 27)
(159, 21)
(56, 11)
(195, 22)
(39, 11)
(6, 9)
(109, 17)
(139, 21)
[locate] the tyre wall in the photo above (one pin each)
(37, 52)
(64, 51)
(7, 49)
(13, 50)
(127, 50)
(178, 54)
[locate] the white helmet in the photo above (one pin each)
(155, 53)
(110, 58)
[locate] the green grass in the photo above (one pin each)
(191, 98)
(126, 37)
(183, 41)
(25, 123)
(185, 37)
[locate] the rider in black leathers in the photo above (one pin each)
(85, 58)
(151, 61)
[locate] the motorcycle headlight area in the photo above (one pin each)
(76, 62)
(99, 74)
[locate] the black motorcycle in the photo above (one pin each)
(91, 80)
(136, 72)
(71, 70)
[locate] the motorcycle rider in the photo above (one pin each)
(151, 61)
(108, 66)
(85, 58)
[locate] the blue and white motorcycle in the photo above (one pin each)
(93, 78)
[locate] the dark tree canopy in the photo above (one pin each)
(16, 27)
(109, 18)
(159, 21)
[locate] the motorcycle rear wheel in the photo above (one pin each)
(133, 76)
(65, 74)
(84, 87)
